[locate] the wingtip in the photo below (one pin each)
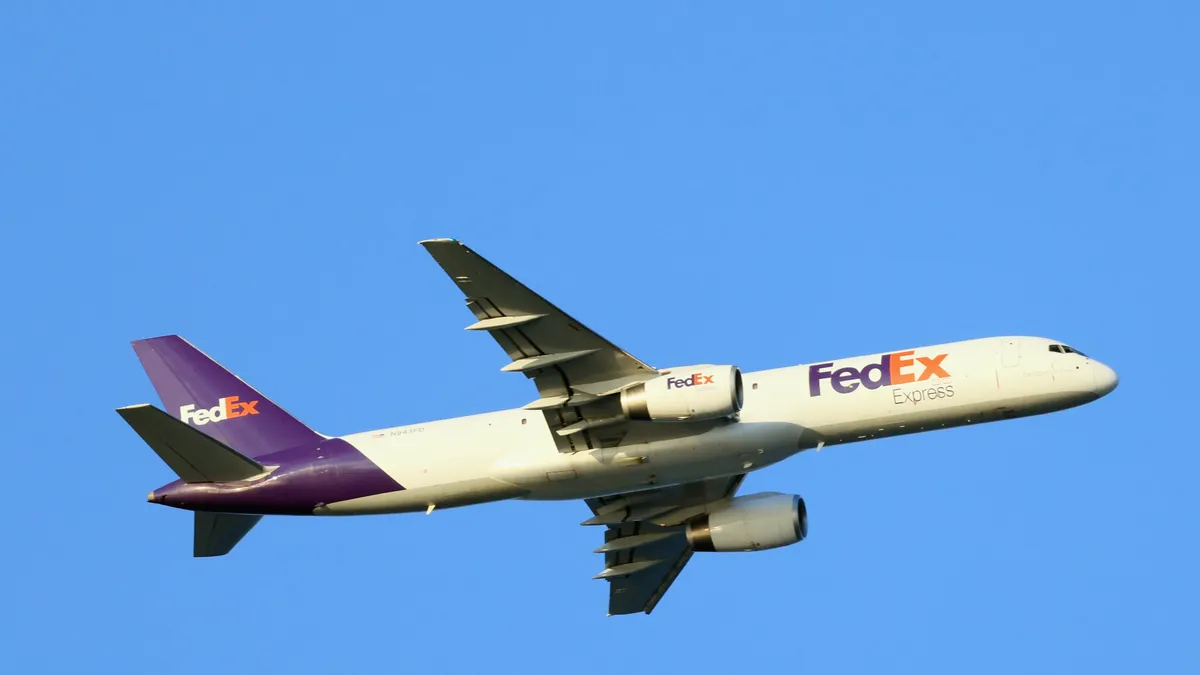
(440, 240)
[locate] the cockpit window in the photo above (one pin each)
(1064, 349)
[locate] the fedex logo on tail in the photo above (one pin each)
(689, 381)
(226, 409)
(895, 368)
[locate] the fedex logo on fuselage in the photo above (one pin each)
(226, 409)
(689, 381)
(895, 368)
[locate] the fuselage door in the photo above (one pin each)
(1010, 352)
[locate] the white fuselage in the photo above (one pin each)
(512, 453)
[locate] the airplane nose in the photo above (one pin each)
(1105, 378)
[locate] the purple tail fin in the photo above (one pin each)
(197, 390)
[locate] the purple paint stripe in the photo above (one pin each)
(307, 478)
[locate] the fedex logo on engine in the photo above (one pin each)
(689, 381)
(226, 409)
(895, 368)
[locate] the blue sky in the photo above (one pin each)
(698, 182)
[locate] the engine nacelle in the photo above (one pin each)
(685, 394)
(751, 523)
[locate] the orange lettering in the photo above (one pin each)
(933, 366)
(897, 363)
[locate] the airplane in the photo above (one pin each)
(658, 455)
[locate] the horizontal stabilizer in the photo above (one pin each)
(217, 533)
(192, 455)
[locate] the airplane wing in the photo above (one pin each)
(645, 547)
(575, 370)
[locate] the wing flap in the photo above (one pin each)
(645, 545)
(574, 368)
(533, 332)
(651, 567)
(531, 363)
(627, 568)
(633, 541)
(502, 322)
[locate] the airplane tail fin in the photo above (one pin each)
(200, 392)
(197, 458)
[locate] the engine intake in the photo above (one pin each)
(754, 522)
(686, 394)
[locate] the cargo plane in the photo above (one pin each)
(657, 454)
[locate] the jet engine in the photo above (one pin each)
(686, 394)
(751, 523)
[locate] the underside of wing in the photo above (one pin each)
(645, 546)
(639, 577)
(576, 371)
